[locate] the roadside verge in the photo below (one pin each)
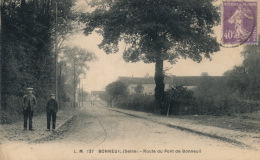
(237, 138)
(15, 132)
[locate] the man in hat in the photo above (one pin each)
(51, 109)
(29, 105)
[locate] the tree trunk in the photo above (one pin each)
(159, 88)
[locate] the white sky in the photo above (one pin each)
(109, 67)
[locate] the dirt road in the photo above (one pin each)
(100, 133)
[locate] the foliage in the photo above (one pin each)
(27, 38)
(104, 96)
(225, 106)
(213, 87)
(74, 61)
(154, 31)
(237, 79)
(136, 102)
(245, 79)
(139, 89)
(179, 100)
(117, 90)
(167, 23)
(84, 95)
(78, 57)
(221, 97)
(14, 111)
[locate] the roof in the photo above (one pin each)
(136, 80)
(97, 92)
(177, 80)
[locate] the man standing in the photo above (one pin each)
(29, 105)
(51, 109)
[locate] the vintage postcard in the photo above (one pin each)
(130, 79)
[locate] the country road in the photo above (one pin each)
(97, 132)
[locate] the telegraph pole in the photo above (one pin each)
(79, 93)
(56, 51)
(74, 84)
(82, 94)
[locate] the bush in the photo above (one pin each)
(226, 106)
(179, 100)
(184, 102)
(138, 102)
(12, 108)
(215, 97)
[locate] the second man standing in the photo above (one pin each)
(51, 109)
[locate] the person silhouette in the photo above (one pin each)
(29, 105)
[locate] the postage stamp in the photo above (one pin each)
(239, 23)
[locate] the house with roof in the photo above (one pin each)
(189, 82)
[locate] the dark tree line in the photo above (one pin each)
(245, 79)
(27, 44)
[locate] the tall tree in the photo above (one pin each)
(155, 31)
(117, 89)
(76, 60)
(27, 42)
(245, 79)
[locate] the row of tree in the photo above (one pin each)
(27, 42)
(245, 79)
(32, 36)
(241, 82)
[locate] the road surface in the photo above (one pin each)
(100, 133)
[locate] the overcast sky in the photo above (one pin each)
(109, 67)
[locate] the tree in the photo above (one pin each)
(212, 87)
(245, 79)
(237, 79)
(155, 31)
(117, 89)
(76, 60)
(139, 89)
(179, 98)
(27, 42)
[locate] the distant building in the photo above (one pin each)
(97, 93)
(147, 82)
(189, 82)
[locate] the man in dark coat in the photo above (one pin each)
(51, 109)
(29, 105)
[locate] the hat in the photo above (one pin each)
(28, 89)
(52, 94)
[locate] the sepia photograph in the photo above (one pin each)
(130, 80)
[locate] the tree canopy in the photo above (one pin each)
(73, 64)
(117, 89)
(27, 43)
(172, 28)
(245, 79)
